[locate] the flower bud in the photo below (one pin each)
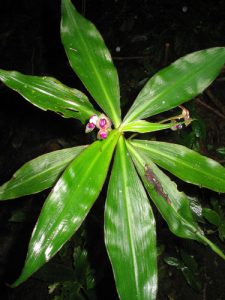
(102, 123)
(176, 127)
(102, 134)
(93, 119)
(89, 127)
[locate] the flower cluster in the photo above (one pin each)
(102, 123)
(185, 115)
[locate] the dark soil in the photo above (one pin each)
(143, 36)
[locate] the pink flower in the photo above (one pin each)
(102, 134)
(102, 122)
(176, 127)
(89, 127)
(93, 119)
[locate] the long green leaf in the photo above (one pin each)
(68, 203)
(38, 174)
(177, 83)
(172, 204)
(130, 235)
(186, 164)
(91, 60)
(143, 126)
(48, 93)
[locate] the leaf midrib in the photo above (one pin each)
(68, 203)
(48, 91)
(91, 62)
(133, 117)
(191, 227)
(128, 213)
(184, 222)
(180, 161)
(57, 166)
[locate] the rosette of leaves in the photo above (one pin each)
(78, 174)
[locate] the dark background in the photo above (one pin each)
(143, 36)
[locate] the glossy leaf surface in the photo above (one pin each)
(68, 203)
(172, 204)
(177, 83)
(38, 174)
(48, 93)
(143, 126)
(186, 164)
(130, 235)
(91, 60)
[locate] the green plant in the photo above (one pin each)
(78, 173)
(70, 275)
(216, 217)
(73, 280)
(188, 266)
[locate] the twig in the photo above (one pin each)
(215, 100)
(210, 108)
(83, 9)
(166, 55)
